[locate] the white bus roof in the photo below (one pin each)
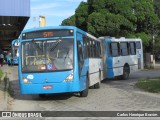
(121, 38)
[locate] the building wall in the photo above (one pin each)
(15, 8)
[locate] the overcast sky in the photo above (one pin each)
(55, 11)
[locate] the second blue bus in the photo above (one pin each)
(14, 51)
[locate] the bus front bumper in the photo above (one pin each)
(49, 88)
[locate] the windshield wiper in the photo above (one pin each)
(57, 43)
(37, 46)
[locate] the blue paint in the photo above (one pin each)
(109, 60)
(56, 79)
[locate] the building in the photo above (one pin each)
(14, 15)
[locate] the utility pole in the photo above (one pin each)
(42, 21)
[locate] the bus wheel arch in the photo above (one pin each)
(126, 71)
(84, 93)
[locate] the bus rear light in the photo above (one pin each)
(47, 87)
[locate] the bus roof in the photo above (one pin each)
(48, 27)
(120, 39)
(59, 27)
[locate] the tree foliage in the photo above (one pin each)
(81, 15)
(117, 18)
(69, 21)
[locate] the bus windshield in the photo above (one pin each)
(47, 55)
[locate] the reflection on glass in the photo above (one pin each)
(47, 55)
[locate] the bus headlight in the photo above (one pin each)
(69, 78)
(25, 80)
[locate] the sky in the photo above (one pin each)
(55, 11)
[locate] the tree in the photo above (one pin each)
(96, 23)
(81, 15)
(117, 18)
(96, 5)
(69, 21)
(146, 17)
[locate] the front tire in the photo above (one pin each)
(97, 85)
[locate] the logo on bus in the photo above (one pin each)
(30, 76)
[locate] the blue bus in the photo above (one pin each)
(14, 51)
(121, 56)
(59, 60)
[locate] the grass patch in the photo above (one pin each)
(150, 85)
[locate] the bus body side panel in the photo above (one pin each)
(90, 66)
(110, 69)
(109, 60)
(94, 67)
(131, 60)
(139, 53)
(83, 74)
(84, 68)
(15, 60)
(15, 46)
(104, 58)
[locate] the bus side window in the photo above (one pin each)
(109, 49)
(85, 46)
(128, 48)
(90, 48)
(114, 49)
(138, 45)
(94, 49)
(80, 56)
(132, 48)
(99, 49)
(80, 52)
(124, 48)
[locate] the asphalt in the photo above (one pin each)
(4, 96)
(8, 70)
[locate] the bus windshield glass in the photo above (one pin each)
(47, 55)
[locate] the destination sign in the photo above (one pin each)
(47, 34)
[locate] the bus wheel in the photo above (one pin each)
(97, 85)
(84, 93)
(42, 95)
(126, 72)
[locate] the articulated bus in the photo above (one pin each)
(58, 60)
(14, 53)
(121, 56)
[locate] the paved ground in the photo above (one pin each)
(114, 95)
(3, 91)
